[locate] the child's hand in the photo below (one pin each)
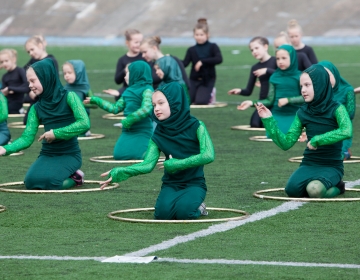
(87, 100)
(2, 151)
(197, 66)
(260, 72)
(263, 111)
(107, 182)
(258, 84)
(112, 92)
(5, 91)
(283, 101)
(234, 91)
(311, 147)
(49, 136)
(32, 95)
(303, 137)
(244, 105)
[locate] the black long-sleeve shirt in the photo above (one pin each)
(33, 60)
(303, 61)
(270, 66)
(309, 52)
(207, 70)
(16, 81)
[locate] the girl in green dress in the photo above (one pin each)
(187, 146)
(344, 94)
(64, 117)
(136, 103)
(327, 123)
(4, 131)
(284, 93)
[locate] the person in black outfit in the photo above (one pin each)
(295, 33)
(36, 48)
(303, 60)
(14, 82)
(262, 70)
(133, 40)
(203, 56)
(150, 49)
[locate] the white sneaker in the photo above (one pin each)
(202, 209)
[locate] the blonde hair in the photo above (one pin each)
(283, 34)
(70, 65)
(152, 41)
(37, 40)
(292, 24)
(202, 25)
(129, 32)
(10, 52)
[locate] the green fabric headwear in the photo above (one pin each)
(53, 91)
(171, 69)
(341, 87)
(323, 102)
(81, 83)
(291, 71)
(180, 118)
(140, 74)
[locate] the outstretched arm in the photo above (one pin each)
(207, 153)
(343, 132)
(116, 108)
(82, 121)
(27, 137)
(119, 174)
(142, 112)
(3, 109)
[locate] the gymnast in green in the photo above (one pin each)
(327, 124)
(135, 101)
(344, 94)
(4, 130)
(284, 97)
(187, 146)
(64, 117)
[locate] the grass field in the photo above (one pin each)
(301, 241)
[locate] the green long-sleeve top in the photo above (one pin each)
(350, 103)
(327, 143)
(81, 125)
(132, 115)
(3, 109)
(172, 165)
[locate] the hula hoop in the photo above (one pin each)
(113, 186)
(2, 208)
(353, 159)
(259, 194)
(119, 116)
(261, 138)
(20, 125)
(16, 154)
(16, 115)
(111, 215)
(209, 106)
(110, 159)
(247, 127)
(91, 137)
(26, 104)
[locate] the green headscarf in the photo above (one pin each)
(323, 102)
(180, 118)
(171, 69)
(140, 79)
(53, 91)
(81, 83)
(341, 87)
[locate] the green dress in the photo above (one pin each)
(61, 111)
(285, 84)
(344, 94)
(4, 131)
(327, 123)
(136, 104)
(187, 140)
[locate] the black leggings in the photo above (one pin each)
(199, 93)
(255, 120)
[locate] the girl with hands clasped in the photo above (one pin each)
(262, 70)
(284, 92)
(327, 123)
(63, 117)
(187, 146)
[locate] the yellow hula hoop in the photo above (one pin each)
(259, 194)
(209, 106)
(110, 159)
(20, 125)
(111, 215)
(16, 115)
(353, 159)
(2, 208)
(247, 127)
(119, 116)
(74, 190)
(16, 154)
(91, 137)
(261, 138)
